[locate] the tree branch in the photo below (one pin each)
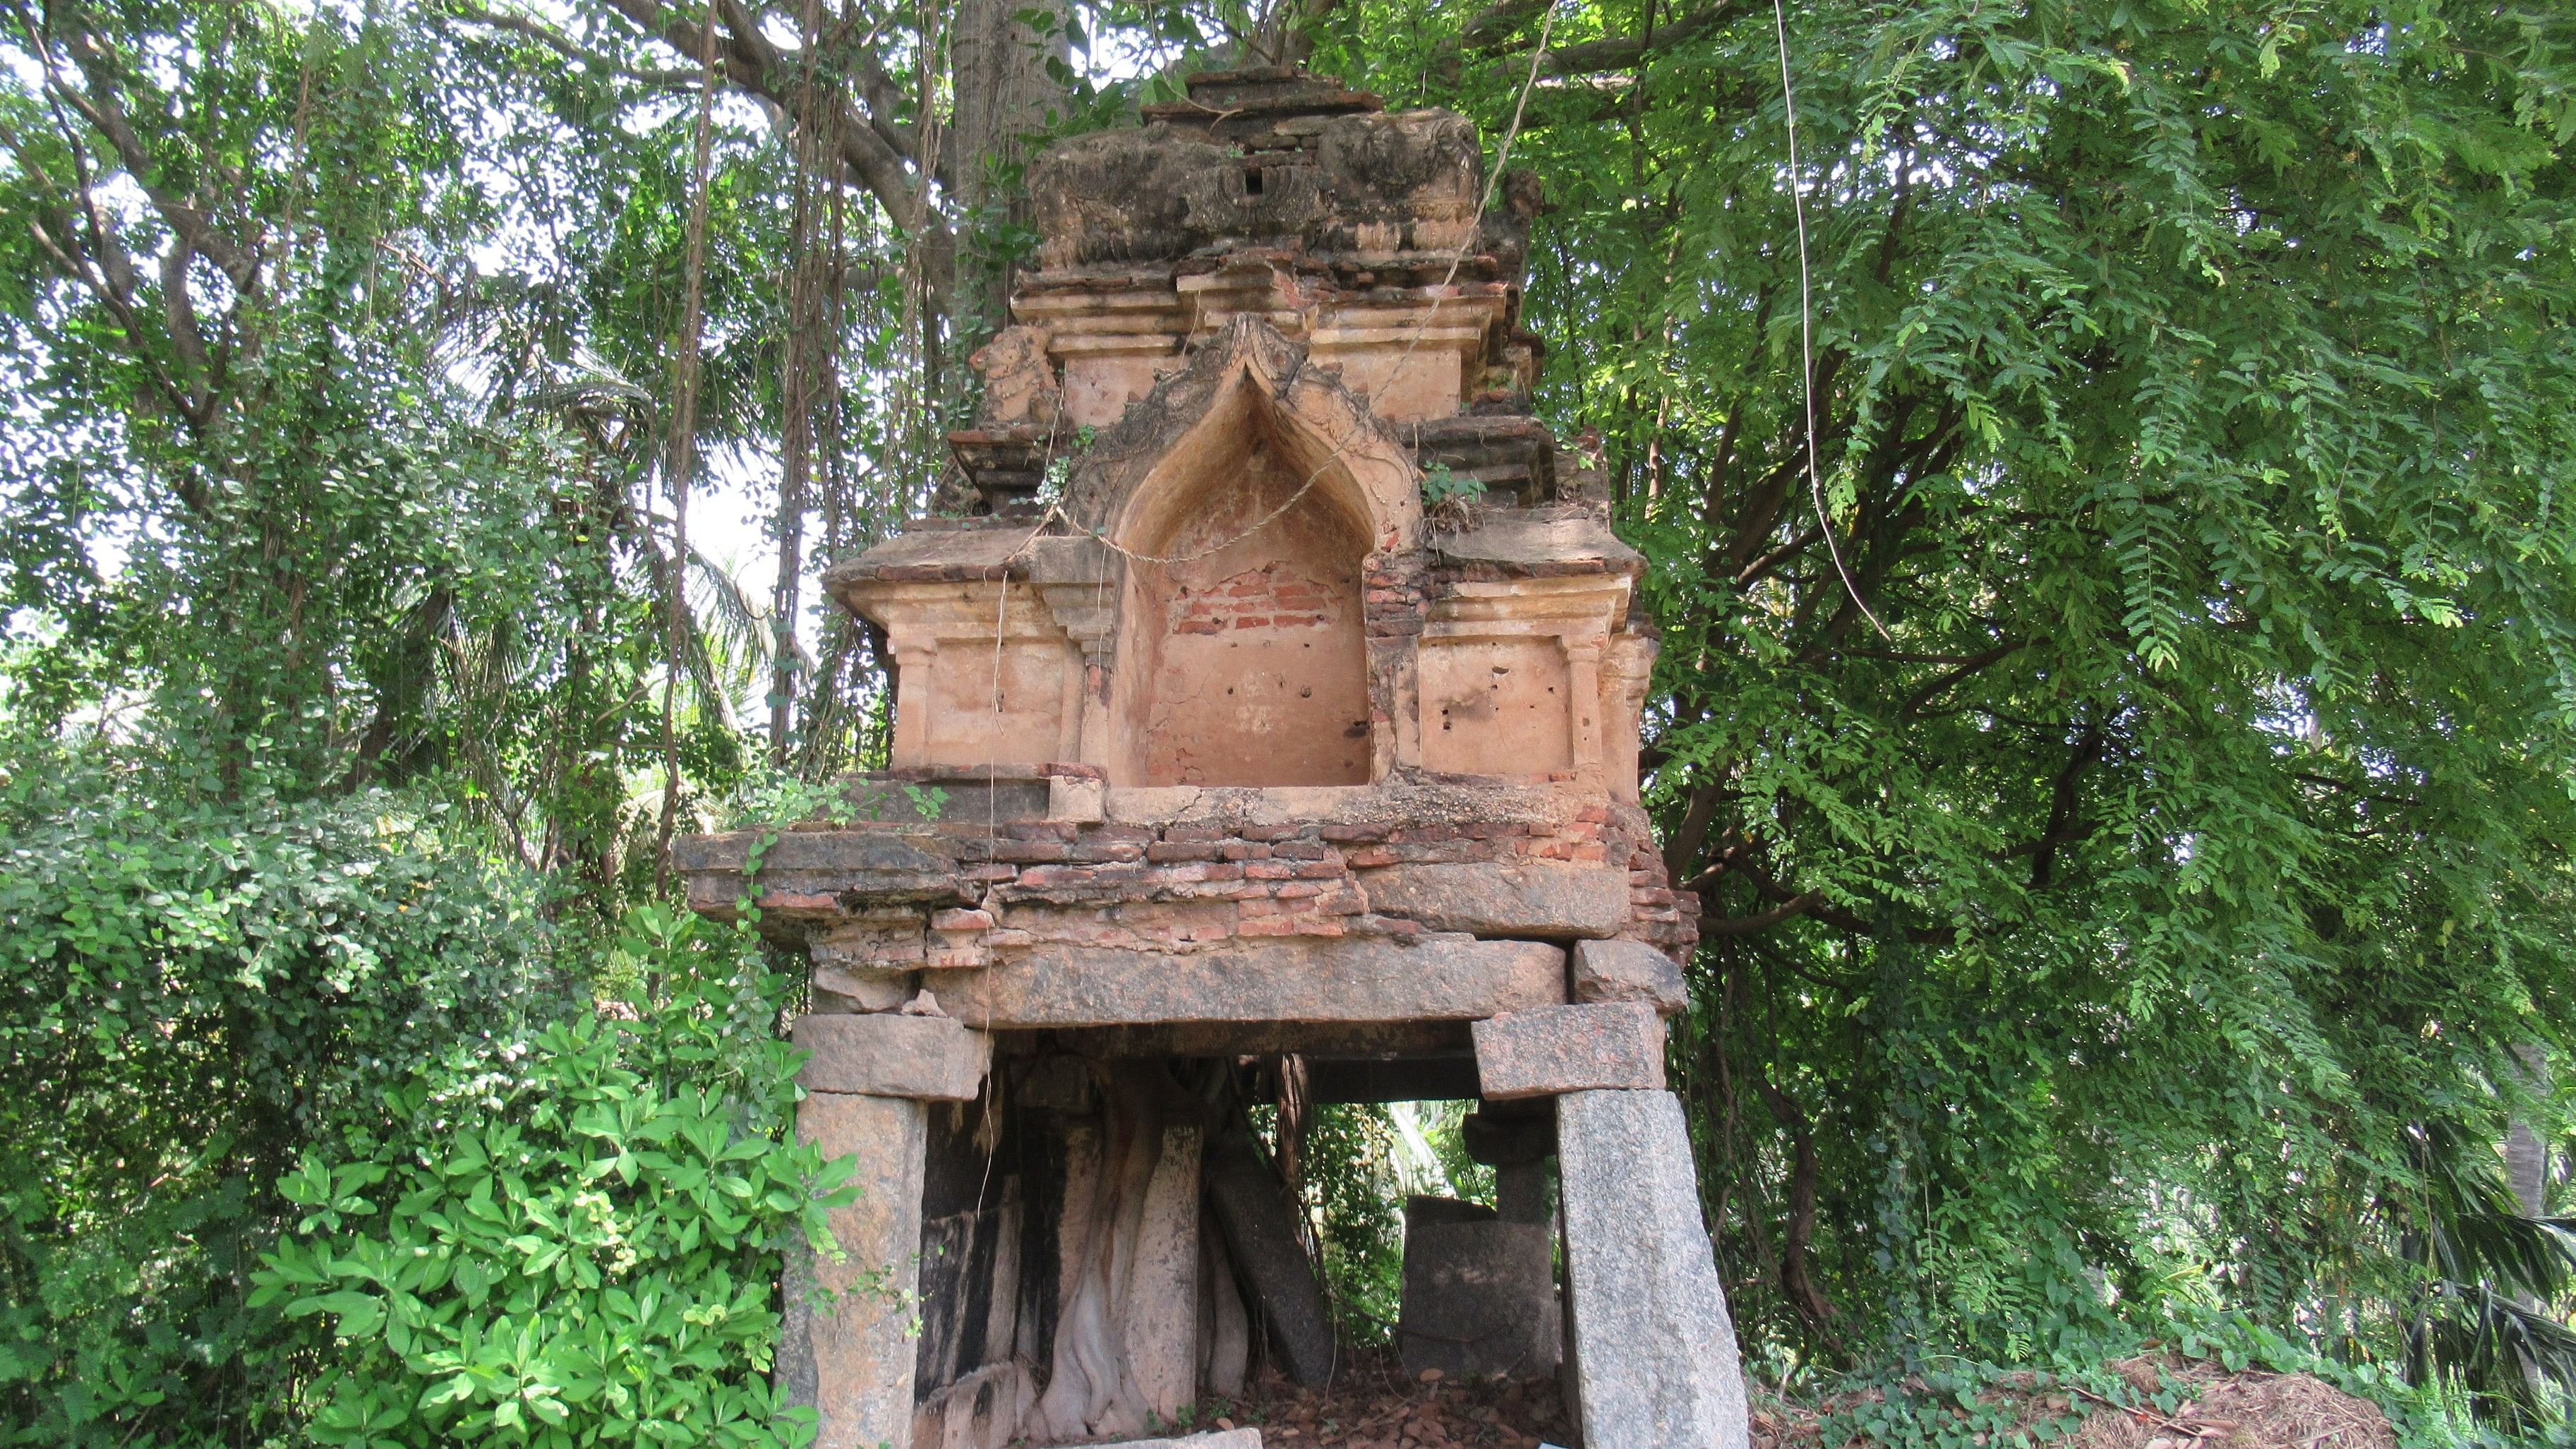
(1832, 915)
(880, 153)
(2062, 824)
(1621, 51)
(1804, 903)
(100, 264)
(1795, 1282)
(1492, 29)
(1967, 666)
(571, 49)
(189, 222)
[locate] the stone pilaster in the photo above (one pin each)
(849, 1346)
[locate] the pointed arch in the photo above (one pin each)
(1243, 656)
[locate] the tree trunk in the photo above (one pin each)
(1005, 92)
(2526, 1153)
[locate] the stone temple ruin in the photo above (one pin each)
(1226, 782)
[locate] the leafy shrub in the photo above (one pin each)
(1358, 1196)
(574, 1238)
(193, 989)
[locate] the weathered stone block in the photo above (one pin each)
(930, 1058)
(838, 988)
(1551, 1050)
(1654, 1349)
(1245, 1438)
(1077, 799)
(1338, 979)
(1509, 1136)
(1259, 1220)
(1504, 898)
(1479, 1292)
(1628, 971)
(851, 1357)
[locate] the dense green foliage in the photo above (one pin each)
(192, 989)
(2136, 831)
(573, 1235)
(2126, 755)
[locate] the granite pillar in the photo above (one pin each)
(1654, 1350)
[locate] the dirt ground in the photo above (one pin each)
(1373, 1405)
(2220, 1410)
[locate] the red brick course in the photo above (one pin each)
(1183, 888)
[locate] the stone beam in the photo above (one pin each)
(1431, 978)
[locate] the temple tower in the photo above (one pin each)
(1228, 779)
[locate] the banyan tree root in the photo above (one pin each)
(1126, 1338)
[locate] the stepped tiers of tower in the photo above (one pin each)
(1230, 779)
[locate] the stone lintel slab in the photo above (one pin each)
(1244, 1438)
(1653, 1347)
(1628, 971)
(1539, 898)
(1332, 980)
(926, 1058)
(1552, 1050)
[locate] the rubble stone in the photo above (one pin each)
(1628, 971)
(1551, 1050)
(1479, 1292)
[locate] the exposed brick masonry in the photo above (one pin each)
(1273, 596)
(1182, 888)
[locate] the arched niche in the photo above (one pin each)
(1243, 657)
